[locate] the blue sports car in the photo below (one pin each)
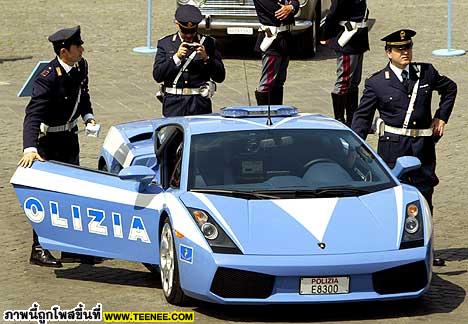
(249, 206)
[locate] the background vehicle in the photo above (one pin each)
(238, 17)
(236, 211)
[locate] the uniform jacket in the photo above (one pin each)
(197, 73)
(346, 10)
(266, 15)
(384, 92)
(53, 99)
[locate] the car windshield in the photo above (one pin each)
(265, 164)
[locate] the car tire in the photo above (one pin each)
(307, 41)
(169, 268)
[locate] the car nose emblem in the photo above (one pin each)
(321, 245)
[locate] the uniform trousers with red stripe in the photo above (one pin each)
(345, 94)
(274, 72)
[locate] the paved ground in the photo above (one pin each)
(122, 89)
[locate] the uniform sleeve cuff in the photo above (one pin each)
(29, 150)
(176, 59)
(88, 117)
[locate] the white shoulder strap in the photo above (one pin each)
(189, 60)
(412, 100)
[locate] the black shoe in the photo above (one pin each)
(438, 262)
(44, 258)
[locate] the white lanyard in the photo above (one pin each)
(412, 101)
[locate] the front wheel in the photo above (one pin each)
(169, 268)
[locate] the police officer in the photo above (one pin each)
(60, 95)
(274, 42)
(187, 63)
(344, 29)
(402, 94)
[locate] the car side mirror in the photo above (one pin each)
(404, 164)
(138, 173)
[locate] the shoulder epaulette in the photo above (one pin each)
(46, 71)
(374, 74)
(173, 36)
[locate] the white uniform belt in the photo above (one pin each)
(354, 24)
(409, 131)
(278, 29)
(183, 91)
(60, 128)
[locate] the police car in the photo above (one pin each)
(254, 205)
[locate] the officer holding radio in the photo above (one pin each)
(59, 97)
(344, 30)
(274, 42)
(187, 65)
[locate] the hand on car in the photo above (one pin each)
(284, 11)
(28, 159)
(91, 121)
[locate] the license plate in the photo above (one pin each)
(240, 31)
(324, 286)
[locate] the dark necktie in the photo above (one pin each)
(405, 79)
(73, 72)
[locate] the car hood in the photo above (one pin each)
(310, 226)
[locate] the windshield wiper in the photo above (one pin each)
(291, 193)
(335, 191)
(237, 193)
(341, 191)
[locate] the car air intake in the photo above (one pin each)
(233, 283)
(406, 278)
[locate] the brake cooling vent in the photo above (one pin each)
(233, 283)
(406, 278)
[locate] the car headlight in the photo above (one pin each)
(214, 234)
(413, 233)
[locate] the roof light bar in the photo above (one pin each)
(258, 111)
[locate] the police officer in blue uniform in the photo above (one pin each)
(186, 64)
(274, 43)
(59, 97)
(345, 30)
(402, 94)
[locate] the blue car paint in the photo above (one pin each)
(289, 269)
(239, 220)
(260, 225)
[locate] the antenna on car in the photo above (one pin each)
(269, 122)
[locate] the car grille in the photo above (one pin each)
(228, 8)
(407, 278)
(233, 283)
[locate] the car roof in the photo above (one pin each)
(215, 122)
(211, 123)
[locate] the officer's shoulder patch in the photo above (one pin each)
(59, 71)
(373, 74)
(168, 37)
(46, 72)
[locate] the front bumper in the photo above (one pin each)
(286, 271)
(218, 26)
